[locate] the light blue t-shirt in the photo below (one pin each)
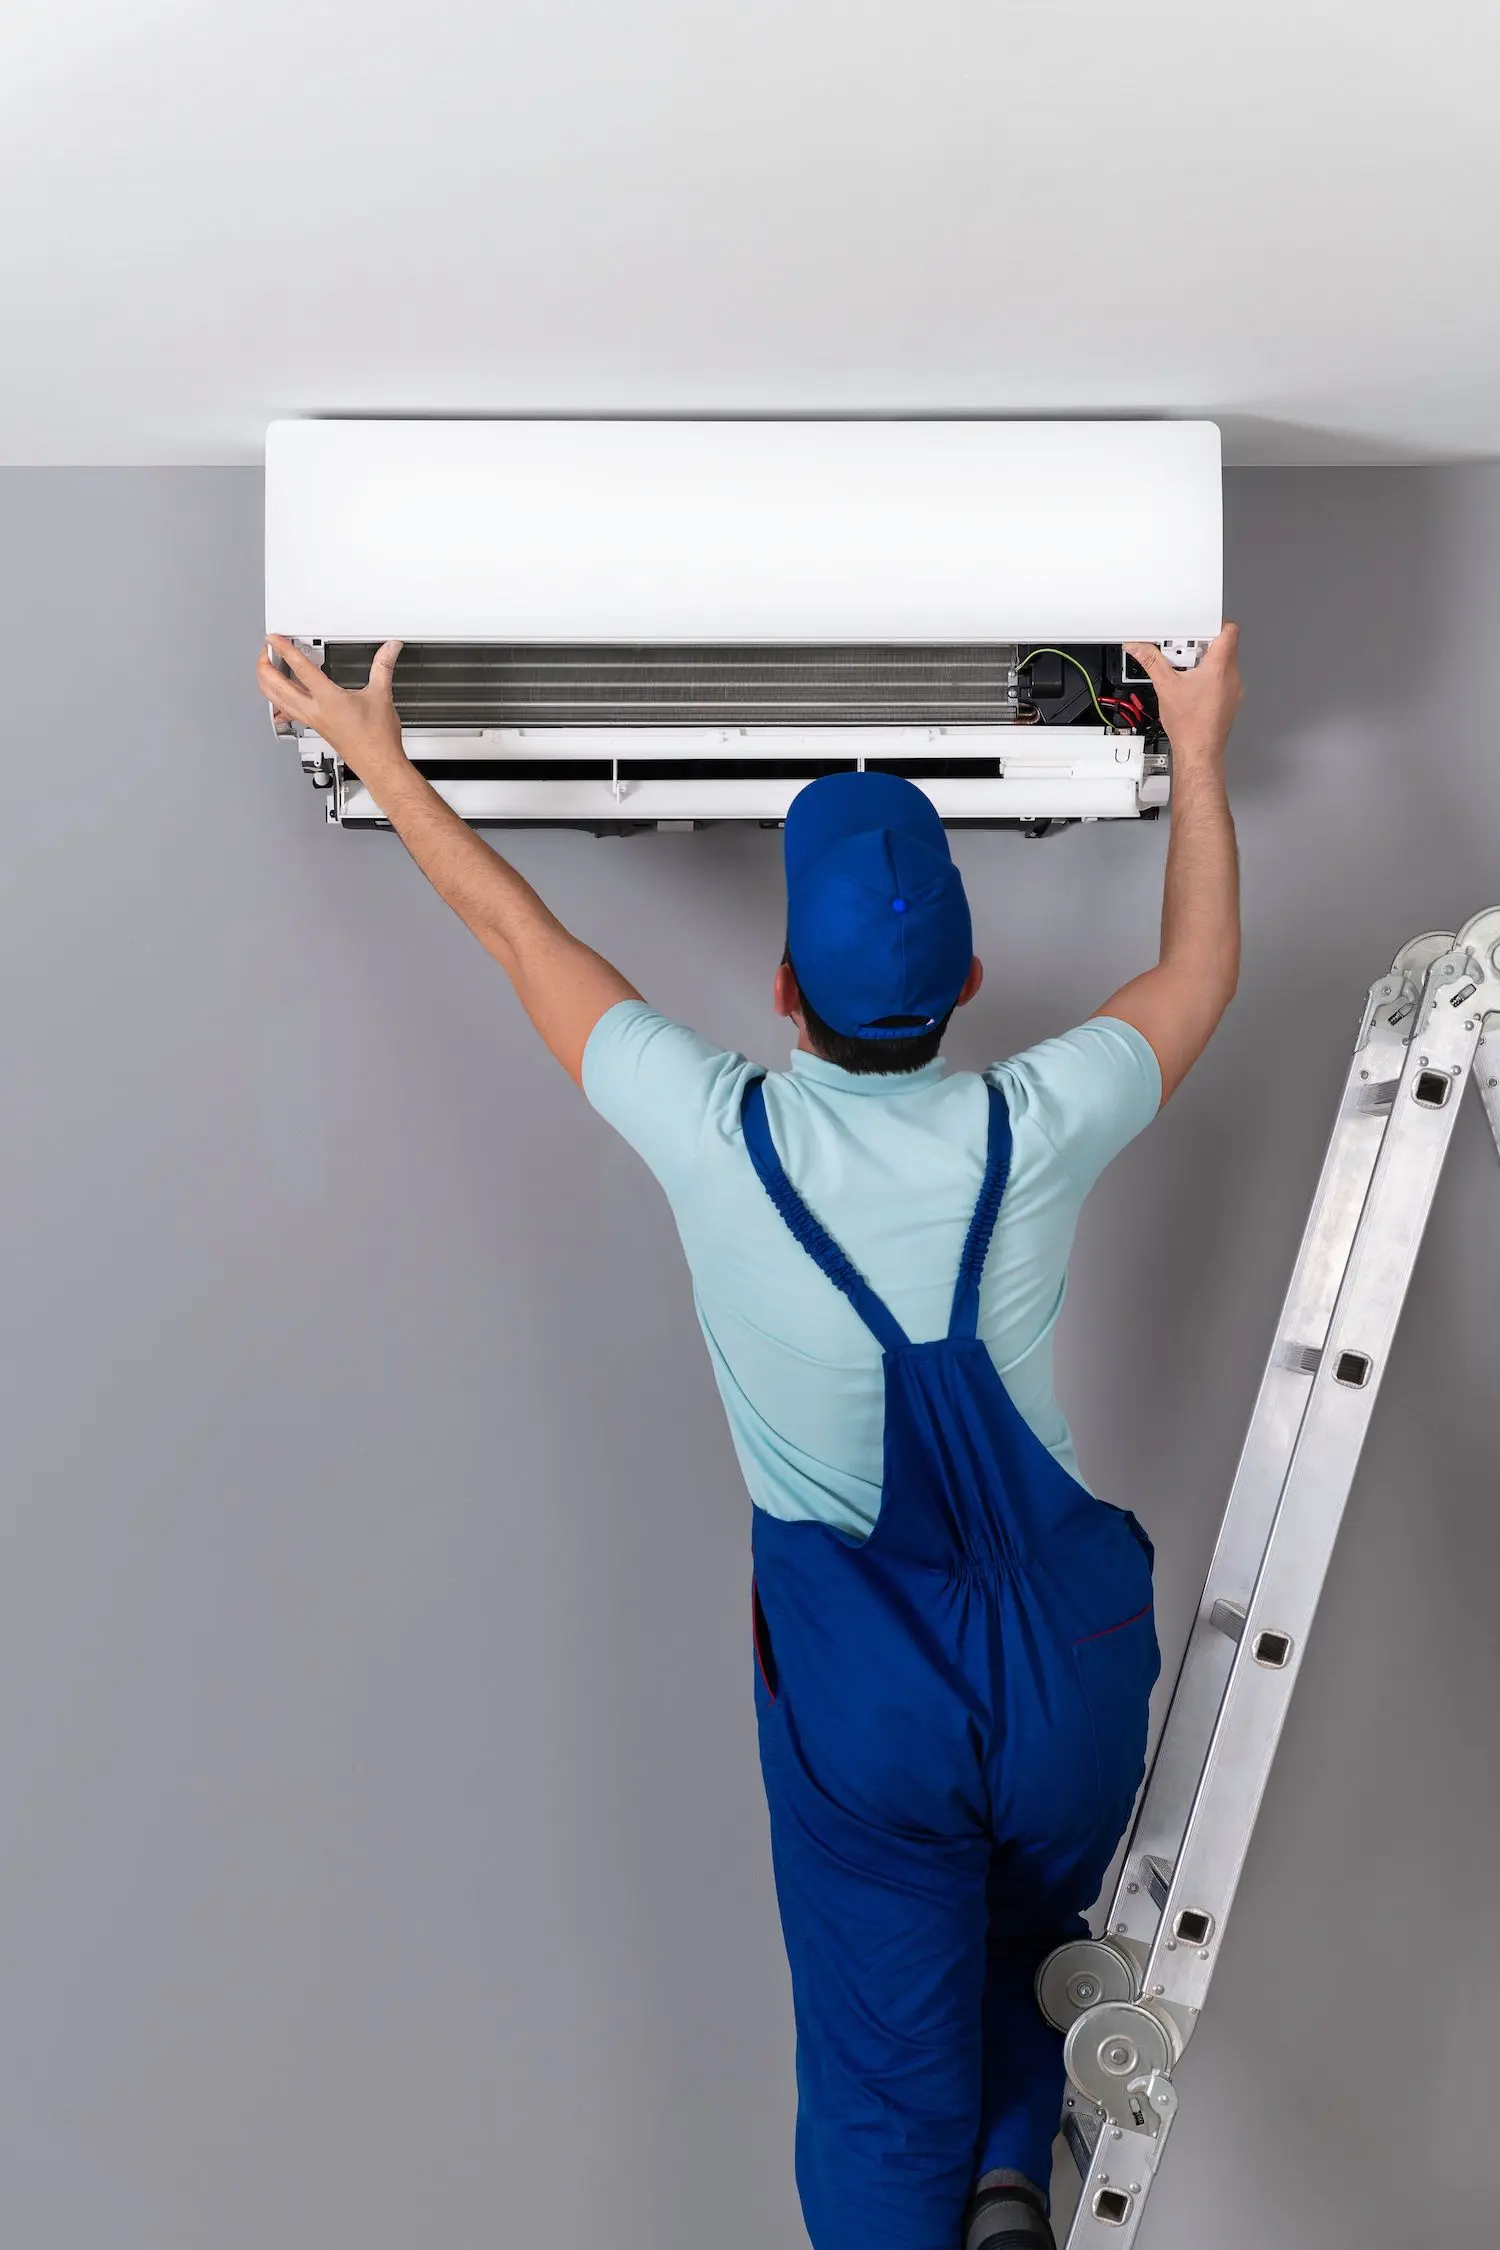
(891, 1165)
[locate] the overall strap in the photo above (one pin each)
(815, 1240)
(964, 1320)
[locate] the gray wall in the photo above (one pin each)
(384, 1859)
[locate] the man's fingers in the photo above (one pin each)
(303, 670)
(273, 679)
(382, 665)
(277, 689)
(1221, 649)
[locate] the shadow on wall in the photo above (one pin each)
(1334, 582)
(1253, 441)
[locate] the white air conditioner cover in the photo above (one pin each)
(779, 531)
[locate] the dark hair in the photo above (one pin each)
(869, 1055)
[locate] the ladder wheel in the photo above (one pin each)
(1081, 1975)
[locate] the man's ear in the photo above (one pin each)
(785, 996)
(971, 983)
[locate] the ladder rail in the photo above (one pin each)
(1487, 1076)
(1437, 1021)
(1326, 1456)
(1276, 1420)
(1118, 2164)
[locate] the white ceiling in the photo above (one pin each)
(1281, 213)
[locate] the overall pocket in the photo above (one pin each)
(1117, 1669)
(760, 1634)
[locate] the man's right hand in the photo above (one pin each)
(1177, 1005)
(1198, 707)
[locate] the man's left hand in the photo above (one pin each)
(361, 724)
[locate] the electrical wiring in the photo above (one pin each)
(1083, 668)
(1135, 712)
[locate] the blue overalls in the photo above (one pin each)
(952, 1720)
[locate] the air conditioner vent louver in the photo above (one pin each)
(471, 684)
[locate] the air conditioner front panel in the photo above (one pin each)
(770, 532)
(627, 775)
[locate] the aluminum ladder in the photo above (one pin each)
(1129, 2000)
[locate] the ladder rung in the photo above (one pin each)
(1158, 1873)
(1380, 1095)
(1302, 1359)
(1228, 1617)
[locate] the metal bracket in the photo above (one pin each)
(1158, 2096)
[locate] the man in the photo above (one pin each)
(954, 1639)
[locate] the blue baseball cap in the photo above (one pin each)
(876, 917)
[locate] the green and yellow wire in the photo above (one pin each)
(1083, 668)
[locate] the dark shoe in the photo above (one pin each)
(1007, 2212)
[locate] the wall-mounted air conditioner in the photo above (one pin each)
(615, 624)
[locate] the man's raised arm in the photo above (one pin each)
(564, 986)
(1177, 1005)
